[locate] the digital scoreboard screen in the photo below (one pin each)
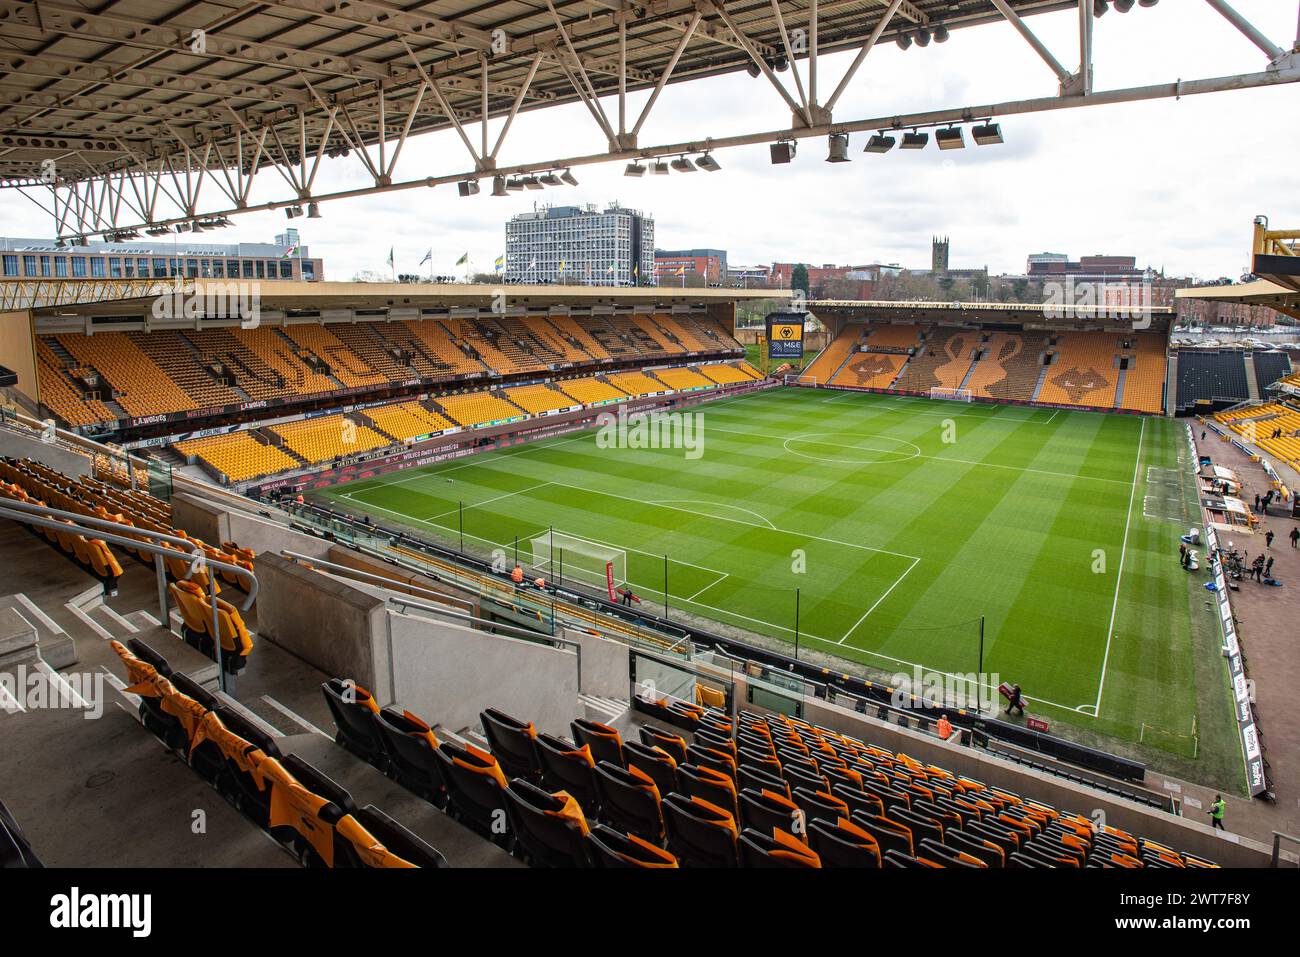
(785, 335)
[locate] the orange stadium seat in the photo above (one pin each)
(328, 437)
(238, 456)
(478, 408)
(408, 420)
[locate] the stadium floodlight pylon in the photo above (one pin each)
(564, 557)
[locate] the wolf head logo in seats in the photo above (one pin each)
(872, 366)
(949, 374)
(1077, 383)
(998, 355)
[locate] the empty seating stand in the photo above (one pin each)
(1210, 377)
(773, 792)
(311, 815)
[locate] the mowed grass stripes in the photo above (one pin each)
(901, 522)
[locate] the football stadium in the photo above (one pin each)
(580, 564)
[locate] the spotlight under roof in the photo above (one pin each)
(914, 141)
(783, 152)
(987, 134)
(880, 143)
(659, 168)
(683, 165)
(568, 177)
(951, 138)
(499, 186)
(838, 151)
(467, 187)
(634, 169)
(707, 163)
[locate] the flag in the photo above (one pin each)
(463, 259)
(390, 255)
(428, 257)
(561, 267)
(681, 270)
(500, 263)
(291, 251)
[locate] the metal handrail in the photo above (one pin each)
(198, 557)
(348, 570)
(1278, 838)
(36, 517)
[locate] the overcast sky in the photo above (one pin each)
(1175, 183)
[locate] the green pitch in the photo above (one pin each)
(900, 521)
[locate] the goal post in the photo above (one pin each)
(952, 395)
(570, 557)
(809, 381)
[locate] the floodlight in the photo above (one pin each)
(951, 138)
(880, 143)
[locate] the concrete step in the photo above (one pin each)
(54, 646)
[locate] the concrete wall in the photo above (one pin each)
(261, 535)
(604, 665)
(406, 582)
(1229, 850)
(448, 674)
(200, 518)
(329, 624)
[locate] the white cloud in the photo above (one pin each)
(1175, 183)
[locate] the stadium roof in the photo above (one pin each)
(95, 87)
(136, 112)
(1259, 292)
(287, 295)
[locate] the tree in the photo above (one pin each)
(799, 279)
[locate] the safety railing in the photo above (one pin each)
(1278, 838)
(130, 537)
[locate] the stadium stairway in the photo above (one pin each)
(1121, 374)
(1038, 386)
(105, 792)
(1252, 378)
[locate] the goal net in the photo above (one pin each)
(805, 380)
(953, 395)
(562, 557)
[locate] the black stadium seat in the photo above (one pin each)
(629, 801)
(765, 810)
(354, 710)
(713, 786)
(475, 788)
(843, 844)
(566, 768)
(778, 849)
(674, 744)
(606, 744)
(511, 741)
(611, 848)
(410, 746)
(550, 829)
(700, 834)
(655, 762)
(397, 840)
